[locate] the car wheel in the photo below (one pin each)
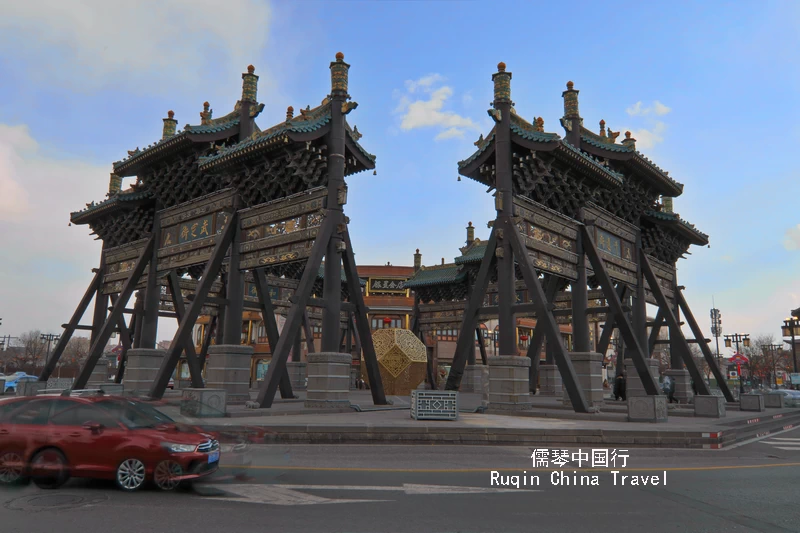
(12, 468)
(130, 475)
(168, 475)
(49, 469)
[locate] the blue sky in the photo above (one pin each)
(708, 89)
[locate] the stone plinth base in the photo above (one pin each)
(141, 370)
(328, 380)
(2, 386)
(508, 383)
(647, 409)
(751, 402)
(30, 388)
(683, 384)
(55, 384)
(709, 406)
(774, 400)
(204, 403)
(476, 380)
(100, 372)
(229, 370)
(589, 369)
(633, 383)
(297, 374)
(550, 381)
(113, 389)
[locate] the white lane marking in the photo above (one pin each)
(792, 439)
(787, 448)
(277, 495)
(409, 488)
(761, 438)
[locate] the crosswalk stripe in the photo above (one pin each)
(788, 448)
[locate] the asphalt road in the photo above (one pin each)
(399, 489)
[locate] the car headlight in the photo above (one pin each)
(179, 448)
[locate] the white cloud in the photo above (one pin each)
(638, 109)
(142, 46)
(648, 138)
(726, 259)
(791, 239)
(418, 112)
(44, 260)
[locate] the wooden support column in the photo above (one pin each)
(195, 369)
(138, 312)
(280, 351)
(610, 324)
(69, 328)
(540, 334)
(675, 356)
(709, 357)
(580, 304)
(481, 346)
(126, 339)
(271, 325)
(209, 334)
(657, 325)
(545, 314)
(219, 334)
(639, 307)
(100, 302)
(309, 333)
(469, 322)
(234, 293)
(362, 324)
(674, 327)
(629, 334)
(96, 351)
(152, 296)
(184, 333)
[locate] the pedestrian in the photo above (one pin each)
(669, 389)
(619, 387)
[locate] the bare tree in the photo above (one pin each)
(76, 352)
(33, 351)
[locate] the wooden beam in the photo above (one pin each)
(610, 324)
(72, 325)
(195, 370)
(675, 332)
(362, 323)
(184, 333)
(111, 321)
(309, 333)
(470, 318)
(626, 329)
(271, 325)
(481, 345)
(539, 335)
(657, 323)
(539, 297)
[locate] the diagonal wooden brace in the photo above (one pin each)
(624, 325)
(271, 325)
(195, 368)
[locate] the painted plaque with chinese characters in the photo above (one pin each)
(119, 262)
(550, 238)
(386, 285)
(282, 231)
(189, 231)
(615, 240)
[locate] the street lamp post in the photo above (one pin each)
(790, 329)
(49, 337)
(736, 338)
(772, 349)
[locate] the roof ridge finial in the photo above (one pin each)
(629, 142)
(502, 85)
(339, 72)
(249, 85)
(602, 128)
(205, 115)
(170, 125)
(539, 124)
(289, 113)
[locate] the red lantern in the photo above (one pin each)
(523, 338)
(387, 320)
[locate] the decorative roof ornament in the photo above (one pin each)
(289, 113)
(502, 85)
(114, 185)
(249, 85)
(666, 204)
(539, 124)
(170, 125)
(479, 142)
(339, 73)
(356, 134)
(602, 128)
(205, 114)
(134, 152)
(629, 142)
(612, 136)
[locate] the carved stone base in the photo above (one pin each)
(100, 372)
(550, 383)
(476, 380)
(709, 406)
(204, 403)
(751, 402)
(633, 383)
(30, 388)
(508, 383)
(683, 384)
(328, 380)
(774, 400)
(229, 370)
(589, 369)
(647, 409)
(141, 370)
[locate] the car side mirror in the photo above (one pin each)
(94, 427)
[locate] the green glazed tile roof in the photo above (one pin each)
(124, 196)
(674, 217)
(354, 139)
(474, 254)
(528, 131)
(312, 121)
(592, 162)
(611, 147)
(482, 147)
(641, 159)
(212, 128)
(436, 275)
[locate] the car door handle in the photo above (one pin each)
(75, 434)
(3, 432)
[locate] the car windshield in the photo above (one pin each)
(135, 415)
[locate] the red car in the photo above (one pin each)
(52, 438)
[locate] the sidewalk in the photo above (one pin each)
(288, 421)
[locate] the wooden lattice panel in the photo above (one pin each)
(189, 231)
(551, 238)
(445, 315)
(616, 243)
(119, 262)
(281, 231)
